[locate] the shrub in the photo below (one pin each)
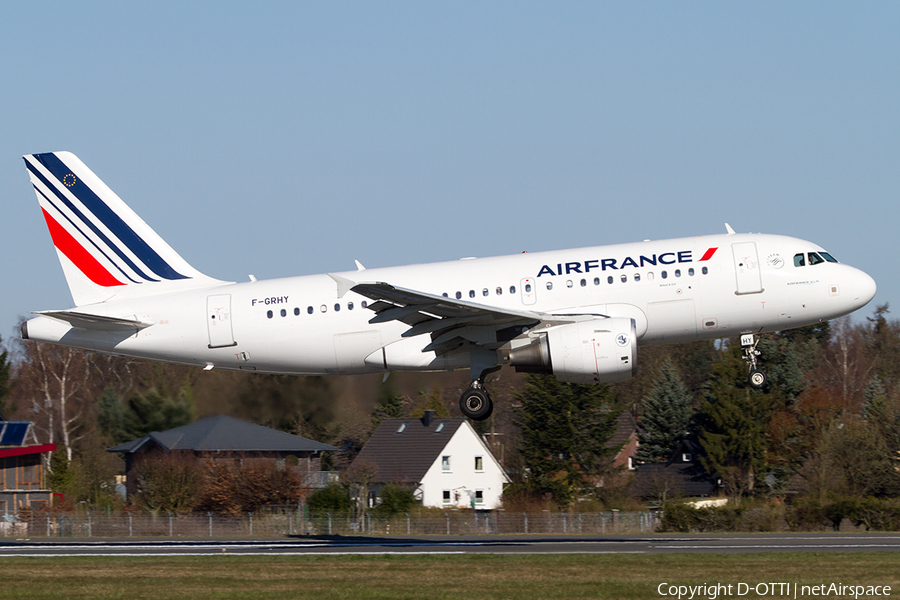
(331, 499)
(395, 499)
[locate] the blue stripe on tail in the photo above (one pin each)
(110, 219)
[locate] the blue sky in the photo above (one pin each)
(289, 138)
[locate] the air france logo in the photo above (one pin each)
(622, 340)
(614, 264)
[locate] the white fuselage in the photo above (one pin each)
(675, 290)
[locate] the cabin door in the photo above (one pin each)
(746, 268)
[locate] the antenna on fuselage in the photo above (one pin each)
(729, 229)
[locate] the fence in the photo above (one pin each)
(293, 521)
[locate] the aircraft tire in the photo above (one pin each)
(476, 404)
(757, 379)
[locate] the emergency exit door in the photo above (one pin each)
(218, 321)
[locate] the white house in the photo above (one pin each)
(445, 461)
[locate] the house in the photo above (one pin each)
(443, 459)
(625, 438)
(225, 438)
(682, 476)
(23, 484)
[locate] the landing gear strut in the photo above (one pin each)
(757, 378)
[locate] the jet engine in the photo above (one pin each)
(595, 351)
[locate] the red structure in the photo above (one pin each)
(22, 481)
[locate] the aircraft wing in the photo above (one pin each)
(451, 322)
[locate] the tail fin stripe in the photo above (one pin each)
(93, 228)
(76, 253)
(78, 229)
(109, 218)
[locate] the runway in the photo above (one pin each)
(301, 546)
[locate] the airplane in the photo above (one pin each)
(577, 314)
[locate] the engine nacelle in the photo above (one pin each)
(596, 351)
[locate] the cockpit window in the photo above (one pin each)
(799, 260)
(828, 257)
(814, 258)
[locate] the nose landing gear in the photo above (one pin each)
(757, 378)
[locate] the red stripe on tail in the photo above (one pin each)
(80, 257)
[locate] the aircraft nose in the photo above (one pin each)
(864, 288)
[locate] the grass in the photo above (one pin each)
(487, 576)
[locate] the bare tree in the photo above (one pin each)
(56, 381)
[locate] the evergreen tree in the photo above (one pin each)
(731, 425)
(665, 415)
(155, 411)
(111, 419)
(565, 430)
(389, 405)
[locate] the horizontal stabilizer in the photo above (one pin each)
(93, 322)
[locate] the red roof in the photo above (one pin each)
(23, 450)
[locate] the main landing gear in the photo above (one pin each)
(757, 378)
(475, 402)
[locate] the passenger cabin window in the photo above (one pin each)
(499, 291)
(549, 285)
(485, 292)
(512, 289)
(296, 312)
(637, 276)
(528, 287)
(309, 310)
(471, 293)
(458, 295)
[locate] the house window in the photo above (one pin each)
(446, 497)
(445, 463)
(28, 474)
(686, 457)
(402, 428)
(479, 497)
(479, 463)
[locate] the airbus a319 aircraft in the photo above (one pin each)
(578, 314)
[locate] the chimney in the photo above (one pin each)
(428, 418)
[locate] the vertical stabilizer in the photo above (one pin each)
(105, 248)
